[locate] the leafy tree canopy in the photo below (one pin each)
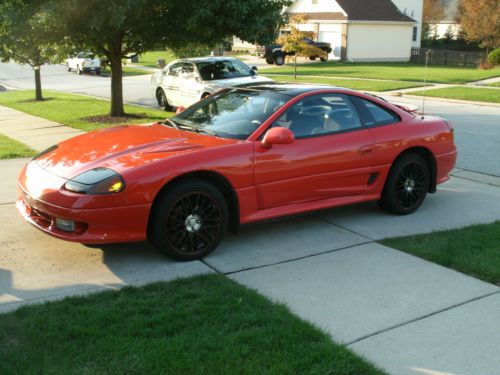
(119, 28)
(480, 21)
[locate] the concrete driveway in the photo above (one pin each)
(325, 266)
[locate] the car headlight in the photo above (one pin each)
(96, 181)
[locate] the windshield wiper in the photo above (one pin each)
(172, 123)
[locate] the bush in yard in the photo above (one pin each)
(494, 57)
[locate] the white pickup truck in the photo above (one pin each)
(84, 62)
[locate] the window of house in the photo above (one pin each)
(415, 32)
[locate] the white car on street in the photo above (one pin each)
(184, 82)
(84, 62)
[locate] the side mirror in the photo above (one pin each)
(254, 68)
(277, 136)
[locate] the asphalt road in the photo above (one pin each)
(477, 127)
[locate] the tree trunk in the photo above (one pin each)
(116, 85)
(295, 66)
(38, 83)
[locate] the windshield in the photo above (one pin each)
(234, 113)
(223, 69)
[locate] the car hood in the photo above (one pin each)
(122, 148)
(229, 82)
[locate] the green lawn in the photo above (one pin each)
(150, 58)
(75, 110)
(495, 84)
(201, 325)
(391, 71)
(478, 94)
(10, 148)
(355, 84)
(473, 250)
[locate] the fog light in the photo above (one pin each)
(65, 225)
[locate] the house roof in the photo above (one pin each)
(373, 10)
(363, 10)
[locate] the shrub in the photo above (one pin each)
(494, 57)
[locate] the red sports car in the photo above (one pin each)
(236, 157)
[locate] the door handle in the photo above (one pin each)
(365, 150)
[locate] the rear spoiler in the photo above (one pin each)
(411, 108)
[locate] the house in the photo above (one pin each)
(448, 25)
(363, 30)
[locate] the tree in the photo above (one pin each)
(120, 28)
(433, 12)
(480, 22)
(25, 37)
(295, 41)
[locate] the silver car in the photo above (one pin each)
(184, 82)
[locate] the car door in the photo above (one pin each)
(190, 84)
(330, 157)
(171, 84)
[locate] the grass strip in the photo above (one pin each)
(77, 111)
(10, 148)
(476, 94)
(473, 250)
(391, 71)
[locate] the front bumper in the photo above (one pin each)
(101, 225)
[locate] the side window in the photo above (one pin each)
(320, 114)
(175, 70)
(187, 69)
(374, 114)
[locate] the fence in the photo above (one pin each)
(446, 57)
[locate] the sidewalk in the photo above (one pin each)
(36, 132)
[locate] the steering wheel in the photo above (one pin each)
(315, 110)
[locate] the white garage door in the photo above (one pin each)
(335, 39)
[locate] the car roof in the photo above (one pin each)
(292, 89)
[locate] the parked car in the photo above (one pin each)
(274, 53)
(184, 82)
(84, 62)
(241, 155)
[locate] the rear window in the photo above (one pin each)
(373, 114)
(223, 69)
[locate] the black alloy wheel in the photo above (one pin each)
(190, 221)
(406, 186)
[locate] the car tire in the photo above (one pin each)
(98, 72)
(69, 69)
(312, 58)
(78, 70)
(406, 186)
(161, 97)
(279, 59)
(323, 59)
(189, 220)
(270, 60)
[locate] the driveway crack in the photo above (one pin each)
(420, 318)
